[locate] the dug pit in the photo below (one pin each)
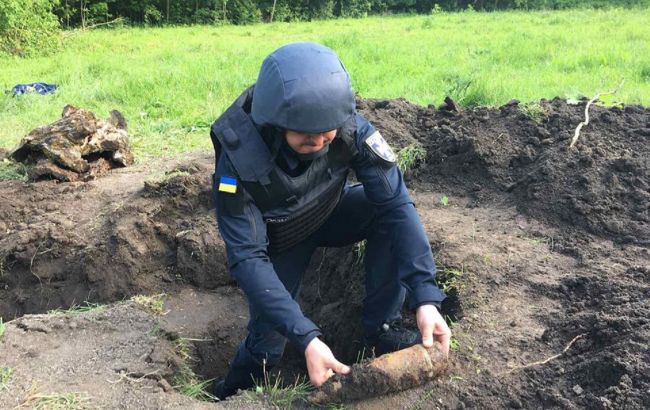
(537, 244)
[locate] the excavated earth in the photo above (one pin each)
(545, 251)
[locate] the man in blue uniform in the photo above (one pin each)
(284, 149)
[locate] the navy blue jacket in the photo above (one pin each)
(246, 244)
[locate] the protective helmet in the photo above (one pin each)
(303, 87)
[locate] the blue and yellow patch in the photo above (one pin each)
(228, 184)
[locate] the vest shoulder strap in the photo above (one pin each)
(243, 145)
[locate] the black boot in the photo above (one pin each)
(389, 338)
(220, 391)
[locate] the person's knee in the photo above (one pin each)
(267, 348)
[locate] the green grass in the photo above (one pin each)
(454, 344)
(3, 327)
(448, 279)
(79, 309)
(410, 156)
(534, 111)
(188, 384)
(272, 390)
(185, 380)
(171, 83)
(10, 170)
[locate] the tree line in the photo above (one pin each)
(81, 13)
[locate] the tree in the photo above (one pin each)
(28, 27)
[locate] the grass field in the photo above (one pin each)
(171, 83)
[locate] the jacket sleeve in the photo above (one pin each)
(384, 186)
(244, 232)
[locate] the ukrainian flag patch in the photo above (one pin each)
(228, 184)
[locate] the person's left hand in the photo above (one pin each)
(432, 325)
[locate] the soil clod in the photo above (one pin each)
(78, 147)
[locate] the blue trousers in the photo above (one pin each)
(352, 221)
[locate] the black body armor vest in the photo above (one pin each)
(293, 207)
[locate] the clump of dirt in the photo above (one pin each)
(76, 147)
(537, 244)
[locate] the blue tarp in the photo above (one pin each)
(41, 88)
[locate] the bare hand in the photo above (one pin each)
(321, 363)
(432, 325)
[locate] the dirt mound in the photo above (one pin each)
(76, 147)
(521, 153)
(578, 202)
(536, 245)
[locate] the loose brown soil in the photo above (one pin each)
(550, 244)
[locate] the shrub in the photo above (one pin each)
(28, 27)
(152, 16)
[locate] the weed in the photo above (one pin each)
(5, 375)
(2, 328)
(454, 344)
(187, 383)
(271, 390)
(153, 303)
(78, 309)
(361, 355)
(444, 201)
(448, 279)
(410, 156)
(457, 87)
(185, 380)
(534, 111)
(455, 378)
(55, 401)
(10, 170)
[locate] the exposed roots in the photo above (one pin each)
(586, 121)
(541, 362)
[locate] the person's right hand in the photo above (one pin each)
(321, 363)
